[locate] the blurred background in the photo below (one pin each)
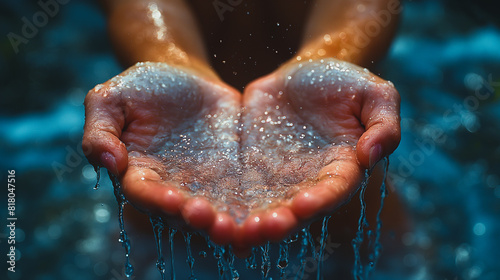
(445, 62)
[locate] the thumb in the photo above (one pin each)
(380, 115)
(104, 121)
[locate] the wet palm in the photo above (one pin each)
(245, 171)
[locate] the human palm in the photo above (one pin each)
(249, 168)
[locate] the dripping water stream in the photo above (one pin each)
(360, 270)
(226, 260)
(97, 170)
(190, 258)
(375, 249)
(304, 244)
(171, 233)
(321, 251)
(282, 262)
(158, 227)
(120, 198)
(265, 261)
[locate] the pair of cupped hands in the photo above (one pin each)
(129, 119)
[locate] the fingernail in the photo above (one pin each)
(109, 161)
(375, 154)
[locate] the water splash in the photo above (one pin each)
(97, 170)
(158, 227)
(120, 198)
(190, 259)
(171, 234)
(321, 251)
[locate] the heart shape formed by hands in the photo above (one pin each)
(244, 168)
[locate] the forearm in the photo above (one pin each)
(355, 31)
(157, 31)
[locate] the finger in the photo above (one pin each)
(145, 189)
(338, 181)
(380, 116)
(104, 121)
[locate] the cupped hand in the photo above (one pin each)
(313, 128)
(245, 169)
(168, 134)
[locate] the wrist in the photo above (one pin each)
(340, 45)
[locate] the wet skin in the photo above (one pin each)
(245, 168)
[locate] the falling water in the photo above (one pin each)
(361, 271)
(120, 198)
(97, 170)
(218, 252)
(190, 259)
(158, 227)
(230, 262)
(283, 258)
(321, 251)
(251, 261)
(226, 259)
(304, 244)
(375, 249)
(266, 261)
(171, 234)
(362, 223)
